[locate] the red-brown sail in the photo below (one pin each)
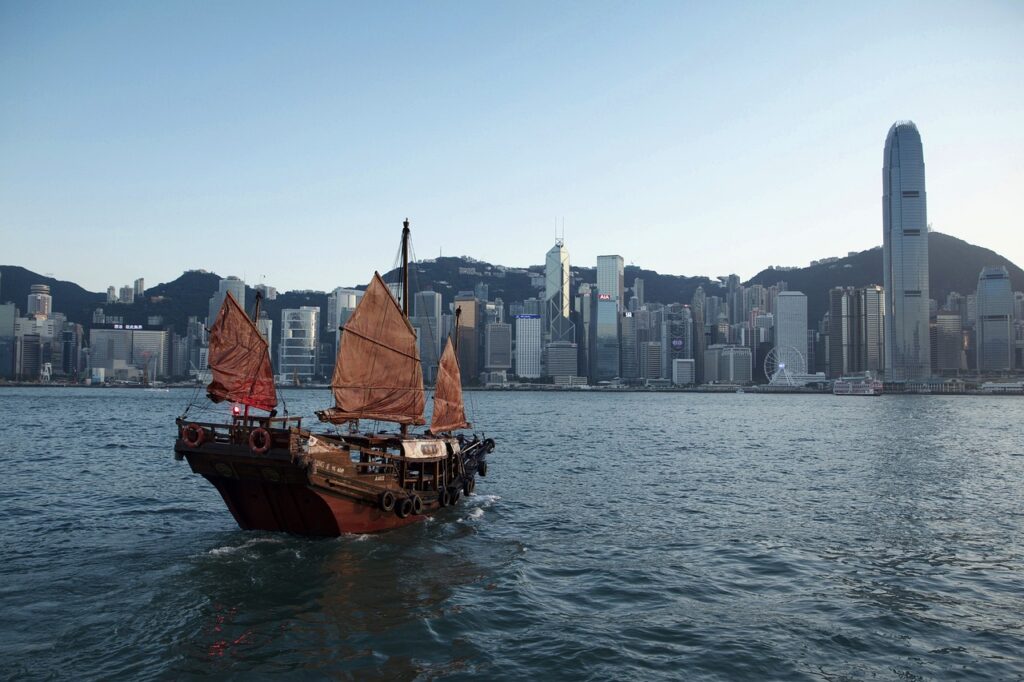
(239, 360)
(449, 410)
(377, 374)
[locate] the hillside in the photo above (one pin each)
(954, 266)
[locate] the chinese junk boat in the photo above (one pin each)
(276, 475)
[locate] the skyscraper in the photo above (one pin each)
(905, 255)
(556, 295)
(994, 329)
(611, 278)
(868, 330)
(232, 284)
(840, 345)
(297, 350)
(791, 321)
(528, 346)
(40, 303)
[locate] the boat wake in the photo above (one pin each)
(228, 550)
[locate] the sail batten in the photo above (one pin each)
(377, 374)
(239, 360)
(449, 410)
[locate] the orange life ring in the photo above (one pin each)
(193, 435)
(259, 440)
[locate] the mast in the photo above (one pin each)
(256, 308)
(405, 268)
(405, 287)
(458, 314)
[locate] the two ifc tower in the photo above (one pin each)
(905, 256)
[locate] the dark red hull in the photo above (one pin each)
(270, 493)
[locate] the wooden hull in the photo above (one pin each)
(278, 491)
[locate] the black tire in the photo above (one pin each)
(403, 508)
(387, 500)
(417, 505)
(481, 468)
(488, 445)
(443, 497)
(468, 486)
(453, 494)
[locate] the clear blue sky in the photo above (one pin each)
(287, 141)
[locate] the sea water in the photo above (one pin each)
(617, 536)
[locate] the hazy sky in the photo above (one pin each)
(285, 142)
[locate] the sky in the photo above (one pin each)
(285, 142)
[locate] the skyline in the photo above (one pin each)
(666, 134)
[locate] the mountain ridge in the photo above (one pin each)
(954, 265)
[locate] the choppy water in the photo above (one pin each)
(633, 536)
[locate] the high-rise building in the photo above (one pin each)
(867, 330)
(611, 278)
(638, 291)
(528, 346)
(557, 300)
(341, 303)
(676, 336)
(111, 294)
(905, 255)
(994, 329)
(8, 314)
(498, 354)
(698, 308)
(840, 307)
(237, 289)
(561, 360)
(40, 303)
(129, 352)
(649, 357)
(468, 336)
(629, 360)
(791, 321)
(140, 288)
(584, 314)
(735, 365)
(269, 292)
(126, 295)
(299, 346)
(949, 342)
(606, 338)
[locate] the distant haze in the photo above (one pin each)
(285, 144)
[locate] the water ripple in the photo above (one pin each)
(627, 536)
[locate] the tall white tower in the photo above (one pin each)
(556, 294)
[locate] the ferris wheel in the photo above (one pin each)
(782, 364)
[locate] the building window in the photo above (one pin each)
(911, 194)
(911, 233)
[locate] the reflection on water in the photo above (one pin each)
(617, 536)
